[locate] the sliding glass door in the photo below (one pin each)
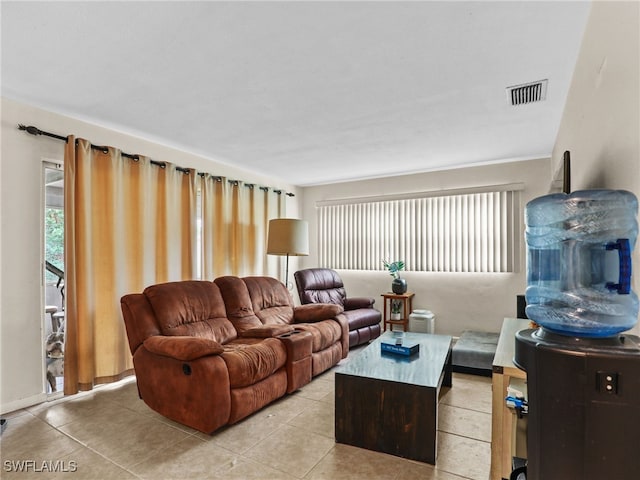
(53, 277)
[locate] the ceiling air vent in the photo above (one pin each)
(527, 93)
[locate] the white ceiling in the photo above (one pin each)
(307, 92)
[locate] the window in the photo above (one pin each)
(454, 231)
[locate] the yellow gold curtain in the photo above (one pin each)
(128, 224)
(235, 218)
(215, 261)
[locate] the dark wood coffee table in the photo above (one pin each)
(389, 403)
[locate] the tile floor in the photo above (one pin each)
(110, 434)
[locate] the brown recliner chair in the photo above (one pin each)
(323, 285)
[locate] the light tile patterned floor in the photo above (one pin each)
(111, 434)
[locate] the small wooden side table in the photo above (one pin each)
(502, 440)
(407, 301)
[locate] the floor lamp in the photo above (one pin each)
(288, 236)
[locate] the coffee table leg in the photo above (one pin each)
(448, 371)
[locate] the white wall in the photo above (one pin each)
(21, 309)
(601, 121)
(459, 300)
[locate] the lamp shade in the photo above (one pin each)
(288, 236)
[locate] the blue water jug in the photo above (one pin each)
(579, 262)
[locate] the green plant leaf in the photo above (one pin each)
(394, 267)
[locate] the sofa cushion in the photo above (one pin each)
(190, 308)
(270, 300)
(314, 312)
(267, 331)
(320, 285)
(139, 319)
(324, 333)
(276, 315)
(362, 317)
(250, 360)
(237, 303)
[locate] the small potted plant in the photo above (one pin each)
(398, 285)
(396, 309)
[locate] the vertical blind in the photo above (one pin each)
(458, 232)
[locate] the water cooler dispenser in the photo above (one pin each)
(583, 371)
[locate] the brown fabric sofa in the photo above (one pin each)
(207, 354)
(323, 285)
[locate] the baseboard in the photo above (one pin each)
(23, 403)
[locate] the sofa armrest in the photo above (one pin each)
(316, 312)
(267, 331)
(182, 348)
(358, 302)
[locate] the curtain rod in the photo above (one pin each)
(36, 131)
